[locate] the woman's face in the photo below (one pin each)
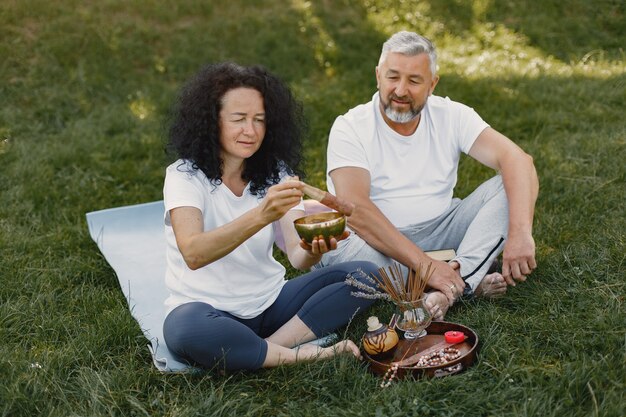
(242, 124)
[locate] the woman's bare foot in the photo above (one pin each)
(491, 286)
(437, 303)
(346, 346)
(309, 352)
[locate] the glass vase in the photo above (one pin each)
(414, 318)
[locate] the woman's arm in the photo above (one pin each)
(200, 247)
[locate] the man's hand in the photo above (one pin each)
(518, 257)
(446, 279)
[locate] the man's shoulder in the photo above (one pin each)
(441, 102)
(358, 123)
(445, 104)
(359, 113)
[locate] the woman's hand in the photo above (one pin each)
(319, 246)
(279, 199)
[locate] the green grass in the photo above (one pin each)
(85, 90)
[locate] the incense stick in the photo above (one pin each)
(392, 282)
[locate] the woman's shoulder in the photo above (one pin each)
(180, 165)
(184, 169)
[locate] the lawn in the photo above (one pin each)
(85, 90)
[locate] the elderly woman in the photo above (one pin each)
(237, 134)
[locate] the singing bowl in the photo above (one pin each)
(327, 224)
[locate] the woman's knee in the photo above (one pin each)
(201, 335)
(358, 267)
(369, 267)
(362, 273)
(187, 327)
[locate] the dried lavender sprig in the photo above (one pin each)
(353, 282)
(367, 278)
(371, 296)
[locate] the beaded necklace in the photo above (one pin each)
(436, 358)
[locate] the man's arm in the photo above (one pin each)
(521, 184)
(353, 184)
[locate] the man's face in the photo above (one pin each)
(404, 84)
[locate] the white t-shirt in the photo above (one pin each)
(246, 281)
(412, 177)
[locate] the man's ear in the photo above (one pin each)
(434, 84)
(376, 73)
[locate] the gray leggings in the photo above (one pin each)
(198, 333)
(476, 227)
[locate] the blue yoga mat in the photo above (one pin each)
(132, 240)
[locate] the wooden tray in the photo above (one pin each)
(407, 348)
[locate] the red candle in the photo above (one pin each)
(454, 336)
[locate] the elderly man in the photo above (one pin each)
(396, 158)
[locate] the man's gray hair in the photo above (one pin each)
(410, 44)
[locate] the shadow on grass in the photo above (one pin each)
(570, 31)
(582, 28)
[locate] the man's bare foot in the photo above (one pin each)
(308, 351)
(491, 286)
(437, 304)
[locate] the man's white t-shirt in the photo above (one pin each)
(246, 281)
(412, 177)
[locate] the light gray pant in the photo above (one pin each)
(475, 227)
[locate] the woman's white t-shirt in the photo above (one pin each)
(412, 177)
(246, 281)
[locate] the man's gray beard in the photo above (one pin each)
(402, 117)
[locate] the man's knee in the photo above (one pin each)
(494, 194)
(494, 185)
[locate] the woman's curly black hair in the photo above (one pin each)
(194, 133)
